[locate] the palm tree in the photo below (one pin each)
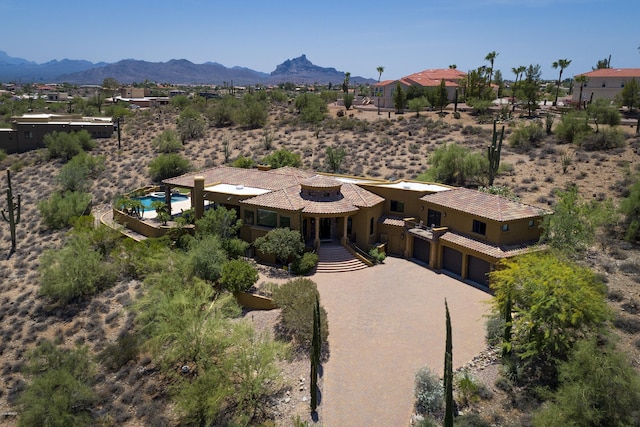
(518, 72)
(562, 64)
(380, 70)
(581, 80)
(491, 56)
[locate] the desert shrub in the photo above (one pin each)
(467, 388)
(76, 174)
(377, 255)
(222, 113)
(471, 420)
(527, 136)
(494, 329)
(58, 210)
(281, 158)
(297, 298)
(454, 164)
(598, 386)
(572, 127)
(305, 264)
(603, 111)
(67, 145)
(628, 324)
(606, 139)
(190, 124)
(168, 166)
(118, 354)
(238, 276)
(252, 113)
(59, 393)
(312, 107)
(243, 162)
(167, 142)
(630, 207)
(206, 258)
(429, 393)
(76, 270)
(471, 130)
(221, 222)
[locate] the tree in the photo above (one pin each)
(380, 70)
(603, 112)
(334, 158)
(530, 86)
(238, 276)
(207, 258)
(630, 94)
(555, 303)
(66, 145)
(456, 165)
(602, 63)
(110, 85)
(572, 227)
(573, 126)
(518, 72)
(168, 166)
(282, 158)
(562, 64)
(491, 56)
(167, 142)
(398, 98)
(448, 372)
(220, 221)
(581, 80)
(345, 82)
(60, 209)
(76, 175)
(190, 125)
(60, 392)
(254, 113)
(281, 242)
(499, 82)
(418, 104)
(441, 98)
(311, 107)
(598, 386)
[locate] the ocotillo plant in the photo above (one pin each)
(448, 373)
(12, 214)
(493, 153)
(316, 344)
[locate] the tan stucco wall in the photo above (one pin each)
(612, 86)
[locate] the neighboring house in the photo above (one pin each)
(383, 91)
(604, 83)
(134, 92)
(462, 231)
(27, 131)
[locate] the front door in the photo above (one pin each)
(325, 228)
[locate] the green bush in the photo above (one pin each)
(243, 162)
(467, 388)
(76, 174)
(281, 242)
(456, 165)
(252, 114)
(377, 255)
(494, 329)
(305, 264)
(471, 420)
(238, 276)
(630, 207)
(58, 211)
(206, 257)
(3, 154)
(168, 166)
(312, 107)
(74, 271)
(606, 139)
(118, 354)
(59, 393)
(282, 158)
(572, 127)
(167, 142)
(297, 298)
(67, 145)
(526, 136)
(429, 393)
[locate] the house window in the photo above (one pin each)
(433, 218)
(267, 218)
(28, 134)
(285, 222)
(248, 217)
(397, 206)
(604, 84)
(479, 227)
(349, 225)
(531, 222)
(371, 226)
(505, 227)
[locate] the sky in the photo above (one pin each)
(349, 35)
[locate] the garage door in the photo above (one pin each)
(421, 249)
(452, 261)
(478, 270)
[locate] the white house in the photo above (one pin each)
(604, 83)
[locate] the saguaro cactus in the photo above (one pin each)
(12, 213)
(493, 153)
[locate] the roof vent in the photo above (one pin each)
(239, 187)
(406, 186)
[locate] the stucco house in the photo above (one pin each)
(604, 83)
(461, 231)
(383, 91)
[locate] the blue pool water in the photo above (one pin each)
(153, 197)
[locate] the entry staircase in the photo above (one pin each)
(334, 258)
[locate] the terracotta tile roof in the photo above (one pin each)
(483, 205)
(321, 181)
(489, 249)
(431, 78)
(274, 179)
(613, 72)
(394, 221)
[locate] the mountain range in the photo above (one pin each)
(175, 71)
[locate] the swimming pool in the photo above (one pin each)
(159, 197)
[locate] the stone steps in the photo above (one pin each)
(336, 259)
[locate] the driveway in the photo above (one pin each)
(385, 323)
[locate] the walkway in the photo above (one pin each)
(385, 323)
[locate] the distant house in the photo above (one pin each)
(384, 91)
(134, 92)
(604, 83)
(27, 131)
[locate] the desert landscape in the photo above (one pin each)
(387, 145)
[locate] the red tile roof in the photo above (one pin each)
(394, 221)
(269, 180)
(613, 72)
(489, 249)
(483, 205)
(431, 78)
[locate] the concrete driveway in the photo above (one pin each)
(385, 323)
